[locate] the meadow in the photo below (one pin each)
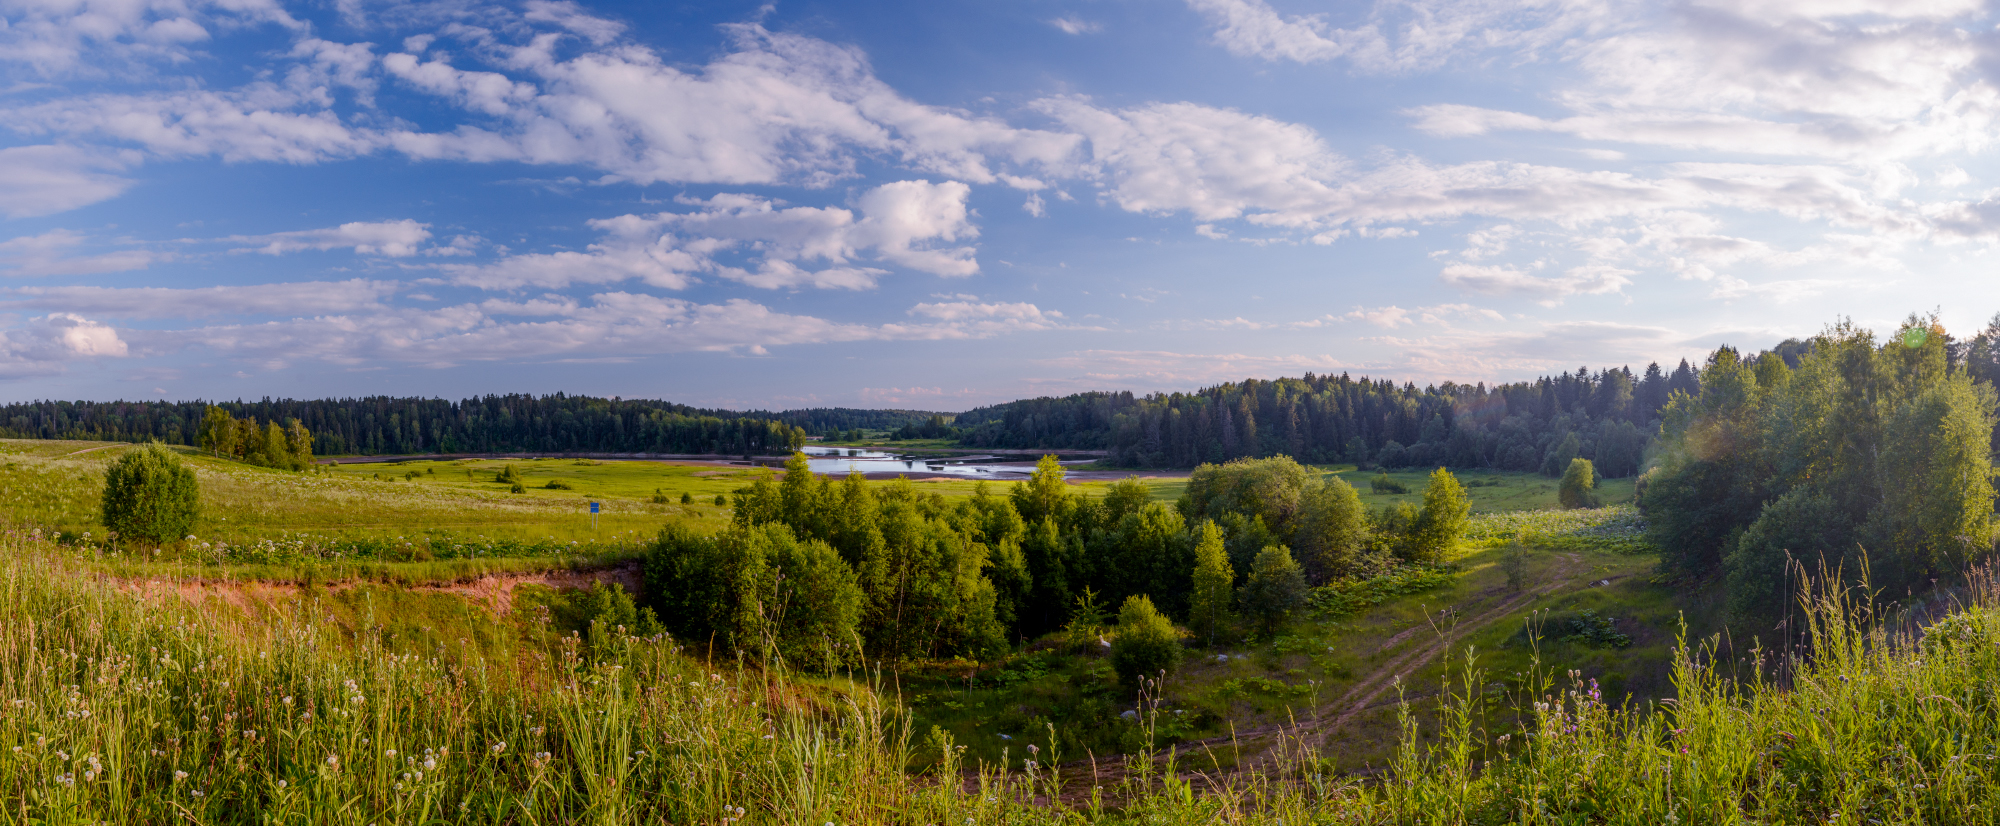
(215, 685)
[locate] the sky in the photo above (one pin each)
(938, 204)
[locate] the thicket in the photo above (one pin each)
(1861, 456)
(825, 573)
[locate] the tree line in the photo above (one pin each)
(1607, 417)
(1839, 451)
(823, 572)
(289, 447)
(385, 425)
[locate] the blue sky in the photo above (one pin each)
(945, 204)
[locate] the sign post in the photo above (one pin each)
(593, 516)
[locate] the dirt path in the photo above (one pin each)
(1266, 744)
(89, 449)
(1315, 733)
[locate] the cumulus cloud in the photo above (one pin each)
(56, 252)
(43, 180)
(760, 242)
(780, 108)
(396, 239)
(44, 345)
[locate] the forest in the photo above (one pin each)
(382, 425)
(1606, 416)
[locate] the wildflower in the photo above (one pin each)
(499, 747)
(180, 775)
(333, 760)
(388, 752)
(281, 784)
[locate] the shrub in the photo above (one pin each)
(1382, 483)
(687, 498)
(1579, 483)
(518, 488)
(1442, 522)
(148, 495)
(558, 484)
(1147, 643)
(721, 501)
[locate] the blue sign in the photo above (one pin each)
(593, 507)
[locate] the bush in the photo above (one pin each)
(558, 484)
(721, 501)
(518, 488)
(1579, 485)
(148, 495)
(1382, 483)
(687, 498)
(1147, 644)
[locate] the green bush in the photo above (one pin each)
(1383, 483)
(149, 496)
(1579, 485)
(1147, 643)
(558, 484)
(687, 498)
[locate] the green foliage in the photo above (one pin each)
(1587, 628)
(1579, 485)
(1441, 523)
(289, 447)
(687, 498)
(1348, 597)
(1800, 532)
(517, 487)
(1275, 590)
(507, 475)
(558, 484)
(1146, 646)
(1213, 578)
(602, 613)
(1383, 483)
(1885, 446)
(1514, 563)
(150, 496)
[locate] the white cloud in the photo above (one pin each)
(1508, 281)
(44, 345)
(1403, 35)
(54, 253)
(612, 324)
(293, 299)
(758, 242)
(97, 37)
(781, 108)
(1075, 25)
(396, 239)
(43, 180)
(1389, 317)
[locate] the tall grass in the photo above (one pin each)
(116, 709)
